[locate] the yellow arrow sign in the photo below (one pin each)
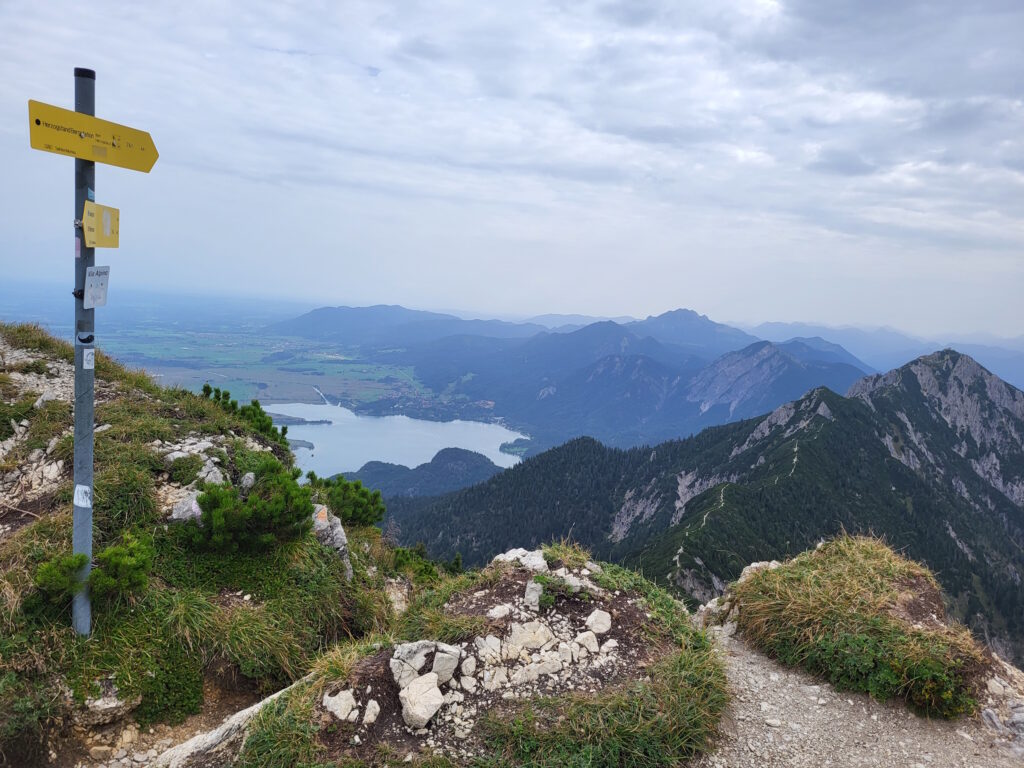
(100, 223)
(53, 129)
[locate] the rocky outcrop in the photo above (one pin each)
(428, 696)
(107, 708)
(331, 534)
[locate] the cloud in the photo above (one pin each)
(653, 127)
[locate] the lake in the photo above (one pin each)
(350, 440)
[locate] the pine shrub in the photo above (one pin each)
(278, 509)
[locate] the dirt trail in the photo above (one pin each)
(784, 717)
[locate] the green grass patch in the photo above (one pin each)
(153, 641)
(669, 615)
(15, 411)
(283, 733)
(185, 469)
(37, 367)
(8, 390)
(839, 612)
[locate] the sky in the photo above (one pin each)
(847, 162)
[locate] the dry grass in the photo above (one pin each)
(840, 611)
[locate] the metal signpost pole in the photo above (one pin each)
(85, 364)
(83, 136)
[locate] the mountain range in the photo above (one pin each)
(929, 455)
(626, 383)
(886, 348)
(642, 382)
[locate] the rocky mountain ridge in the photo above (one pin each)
(936, 467)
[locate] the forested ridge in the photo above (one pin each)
(691, 513)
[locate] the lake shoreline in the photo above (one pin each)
(330, 439)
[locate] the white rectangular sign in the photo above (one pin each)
(89, 359)
(95, 287)
(83, 496)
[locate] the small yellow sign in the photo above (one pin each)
(100, 223)
(53, 129)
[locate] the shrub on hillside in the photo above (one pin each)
(57, 578)
(349, 500)
(122, 570)
(277, 509)
(253, 414)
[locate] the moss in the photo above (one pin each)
(174, 690)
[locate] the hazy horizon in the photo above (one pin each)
(754, 159)
(21, 293)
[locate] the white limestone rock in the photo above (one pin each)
(499, 611)
(446, 661)
(599, 622)
(408, 659)
(588, 640)
(372, 710)
(533, 561)
(187, 509)
(341, 705)
(421, 700)
(529, 636)
(532, 596)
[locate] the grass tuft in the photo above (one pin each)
(283, 733)
(566, 552)
(841, 612)
(35, 338)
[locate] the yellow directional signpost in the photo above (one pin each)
(89, 140)
(80, 135)
(100, 224)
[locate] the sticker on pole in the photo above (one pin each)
(100, 223)
(83, 496)
(95, 287)
(89, 359)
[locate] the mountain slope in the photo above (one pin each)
(606, 382)
(929, 455)
(391, 324)
(885, 348)
(692, 331)
(449, 470)
(760, 377)
(815, 348)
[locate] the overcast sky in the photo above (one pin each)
(845, 161)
